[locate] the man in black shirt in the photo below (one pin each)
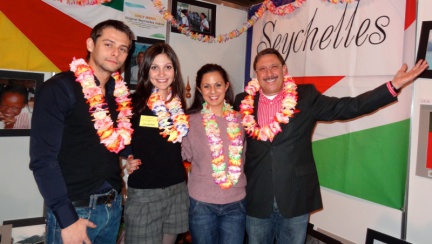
(75, 137)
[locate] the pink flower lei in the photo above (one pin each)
(269, 131)
(216, 146)
(179, 126)
(114, 139)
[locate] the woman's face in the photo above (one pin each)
(162, 72)
(213, 88)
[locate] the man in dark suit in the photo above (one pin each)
(279, 117)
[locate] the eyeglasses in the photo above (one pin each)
(272, 68)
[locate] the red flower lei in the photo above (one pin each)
(269, 131)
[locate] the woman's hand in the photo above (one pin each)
(132, 164)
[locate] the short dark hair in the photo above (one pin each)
(16, 89)
(205, 16)
(198, 98)
(116, 24)
(144, 87)
(268, 51)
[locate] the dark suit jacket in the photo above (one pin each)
(285, 168)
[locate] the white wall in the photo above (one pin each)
(419, 223)
(19, 196)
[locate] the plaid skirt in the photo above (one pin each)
(151, 213)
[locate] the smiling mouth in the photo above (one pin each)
(270, 79)
(162, 81)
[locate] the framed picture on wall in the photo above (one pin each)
(424, 151)
(135, 59)
(5, 234)
(375, 237)
(196, 16)
(425, 47)
(30, 230)
(17, 94)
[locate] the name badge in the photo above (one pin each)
(148, 121)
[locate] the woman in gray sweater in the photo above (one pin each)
(214, 146)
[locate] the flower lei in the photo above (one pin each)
(171, 118)
(269, 131)
(216, 146)
(266, 5)
(84, 2)
(114, 139)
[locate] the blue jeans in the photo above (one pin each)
(217, 223)
(284, 230)
(107, 219)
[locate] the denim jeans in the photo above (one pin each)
(217, 223)
(106, 217)
(284, 230)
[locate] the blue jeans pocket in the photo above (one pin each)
(84, 212)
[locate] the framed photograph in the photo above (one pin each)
(17, 94)
(27, 230)
(424, 151)
(375, 237)
(425, 47)
(197, 16)
(135, 58)
(5, 234)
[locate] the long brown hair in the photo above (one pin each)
(144, 87)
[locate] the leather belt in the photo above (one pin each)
(104, 199)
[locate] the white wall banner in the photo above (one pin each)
(323, 39)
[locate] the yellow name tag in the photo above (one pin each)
(148, 121)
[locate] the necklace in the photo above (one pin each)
(269, 131)
(114, 139)
(216, 146)
(172, 120)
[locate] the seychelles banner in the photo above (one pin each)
(346, 49)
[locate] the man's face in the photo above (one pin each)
(270, 73)
(109, 52)
(11, 104)
(140, 58)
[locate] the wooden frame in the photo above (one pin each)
(425, 47)
(31, 81)
(30, 230)
(194, 9)
(140, 45)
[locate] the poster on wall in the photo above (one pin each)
(135, 60)
(196, 16)
(17, 94)
(425, 47)
(144, 19)
(424, 152)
